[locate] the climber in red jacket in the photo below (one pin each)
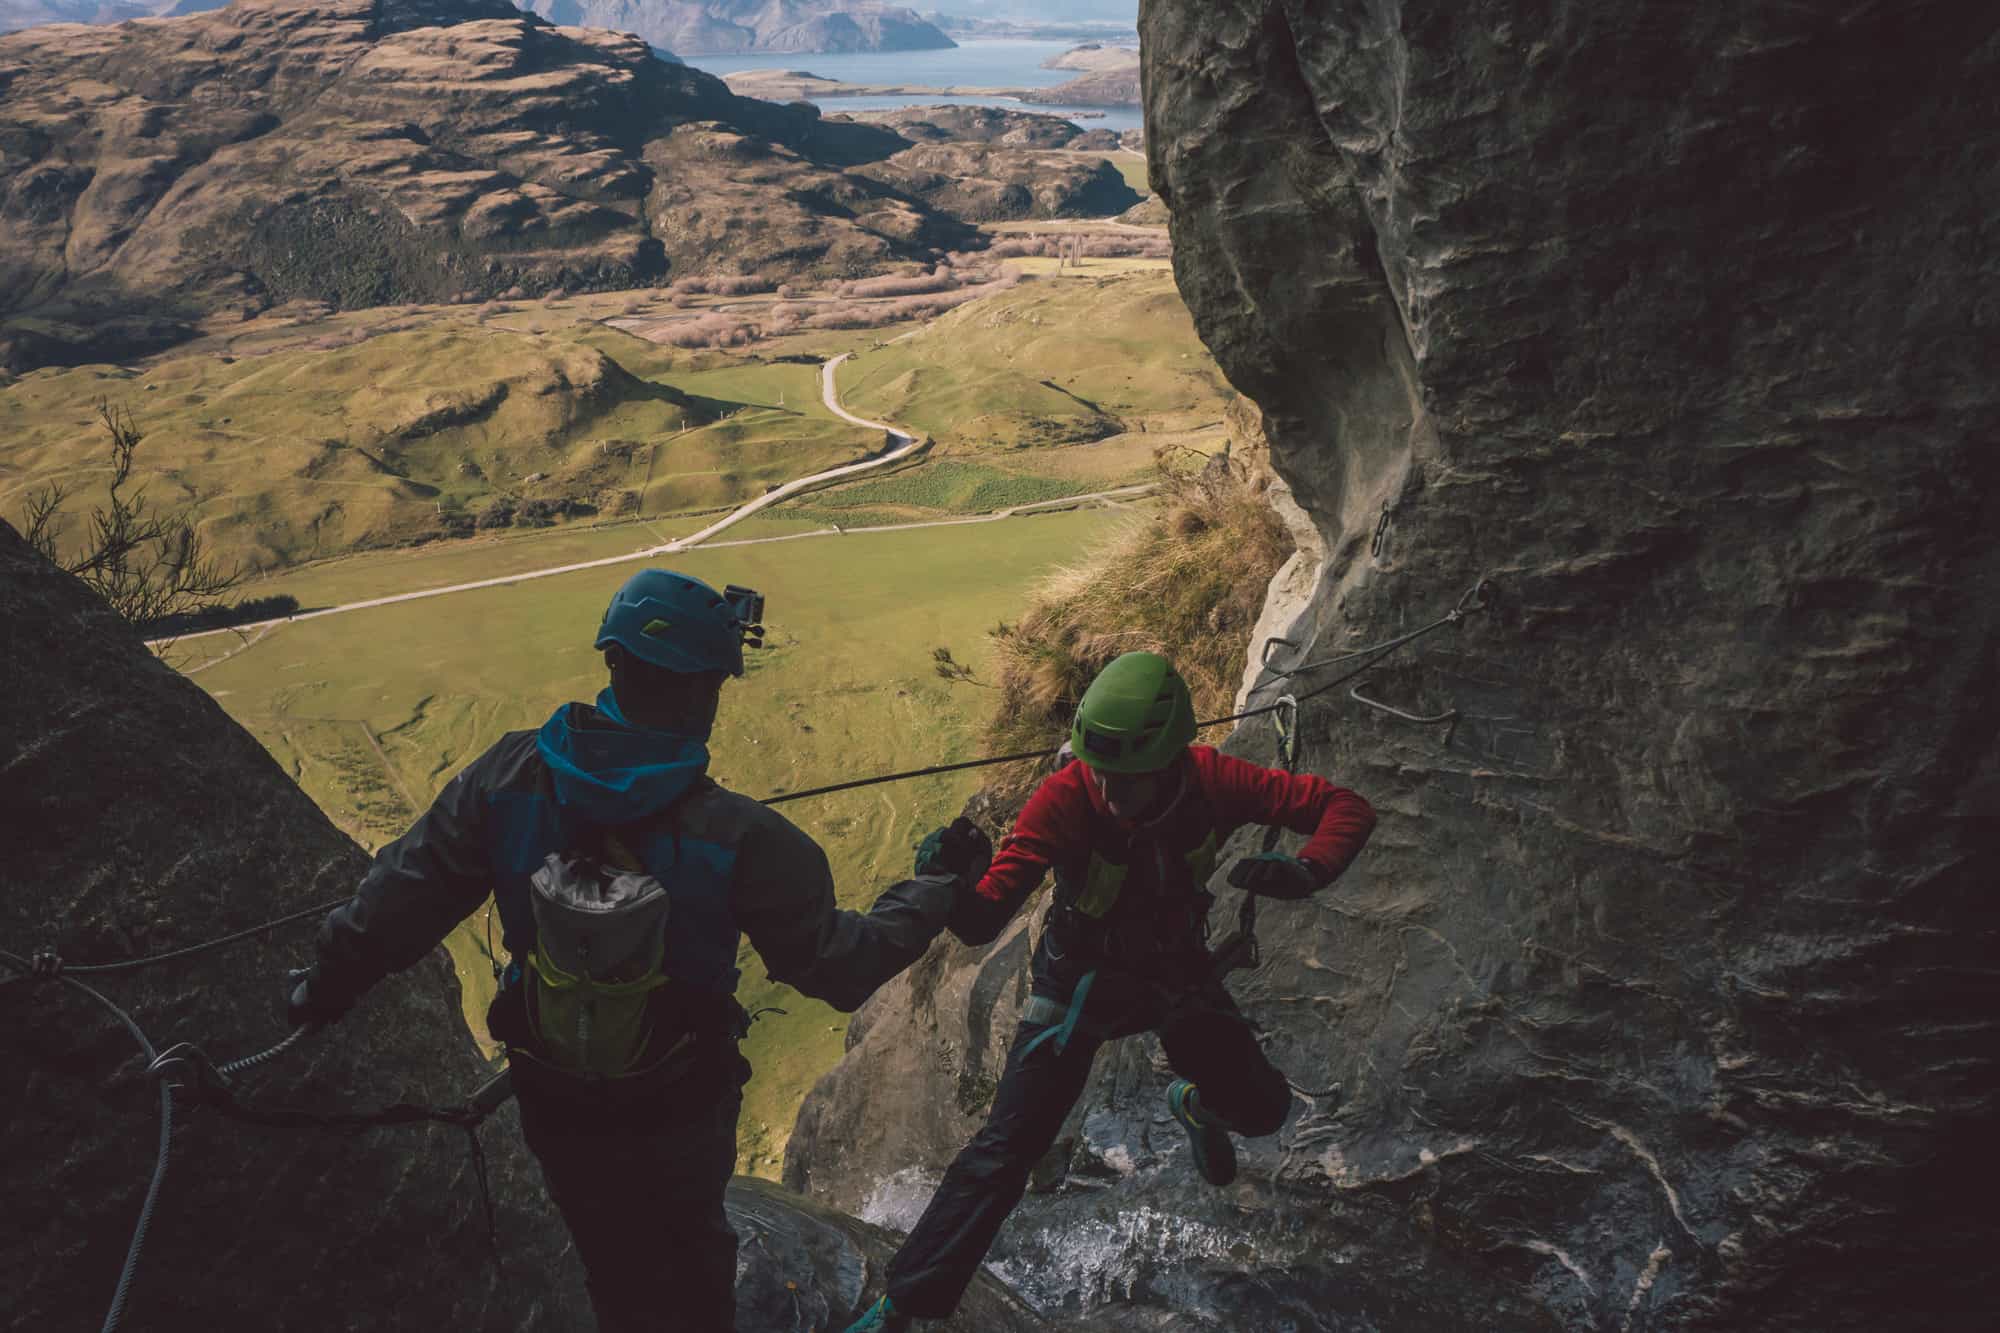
(1132, 832)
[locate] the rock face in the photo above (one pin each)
(727, 27)
(158, 823)
(377, 151)
(1664, 997)
(141, 819)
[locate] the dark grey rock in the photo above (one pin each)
(801, 1266)
(1665, 996)
(141, 819)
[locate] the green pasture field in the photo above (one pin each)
(1132, 166)
(952, 485)
(366, 575)
(374, 710)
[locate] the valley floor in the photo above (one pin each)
(1035, 413)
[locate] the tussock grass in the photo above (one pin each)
(1188, 584)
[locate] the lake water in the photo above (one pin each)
(996, 64)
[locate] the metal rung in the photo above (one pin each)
(1434, 720)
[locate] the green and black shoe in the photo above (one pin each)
(1214, 1154)
(882, 1317)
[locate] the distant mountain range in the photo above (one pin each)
(731, 27)
(159, 175)
(15, 14)
(685, 27)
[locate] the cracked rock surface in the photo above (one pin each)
(1665, 996)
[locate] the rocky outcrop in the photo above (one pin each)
(980, 124)
(363, 152)
(1664, 997)
(728, 27)
(158, 823)
(984, 183)
(149, 821)
(1111, 87)
(1096, 58)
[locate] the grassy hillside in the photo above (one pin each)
(1048, 363)
(373, 711)
(310, 451)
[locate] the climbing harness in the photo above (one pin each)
(210, 1085)
(1062, 1019)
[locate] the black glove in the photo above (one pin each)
(308, 1000)
(961, 850)
(1274, 875)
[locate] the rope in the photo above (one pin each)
(54, 965)
(211, 1089)
(1472, 601)
(124, 1289)
(48, 964)
(146, 1209)
(252, 1061)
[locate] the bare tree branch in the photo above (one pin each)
(146, 564)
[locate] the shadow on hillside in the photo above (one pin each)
(95, 322)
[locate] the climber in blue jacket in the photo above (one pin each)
(623, 876)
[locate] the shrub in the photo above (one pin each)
(149, 566)
(539, 513)
(498, 513)
(904, 285)
(1188, 584)
(712, 330)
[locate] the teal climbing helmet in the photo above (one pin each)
(677, 623)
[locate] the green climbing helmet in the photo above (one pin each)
(1136, 717)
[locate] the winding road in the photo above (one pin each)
(907, 445)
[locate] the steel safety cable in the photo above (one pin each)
(123, 1291)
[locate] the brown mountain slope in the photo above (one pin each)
(368, 151)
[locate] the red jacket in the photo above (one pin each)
(1123, 878)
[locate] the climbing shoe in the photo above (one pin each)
(881, 1317)
(1214, 1154)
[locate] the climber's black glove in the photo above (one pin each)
(961, 850)
(310, 1001)
(1274, 875)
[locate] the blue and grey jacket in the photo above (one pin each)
(730, 865)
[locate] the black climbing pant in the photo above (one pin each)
(1207, 1041)
(643, 1201)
